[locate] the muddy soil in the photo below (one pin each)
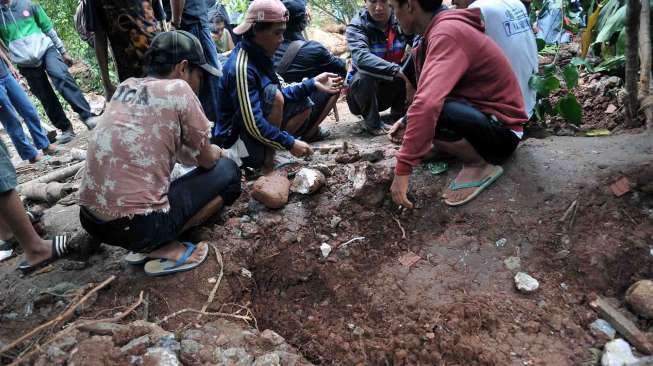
(428, 286)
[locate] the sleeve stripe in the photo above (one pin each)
(244, 101)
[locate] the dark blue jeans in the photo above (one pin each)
(37, 78)
(187, 195)
(13, 102)
(209, 90)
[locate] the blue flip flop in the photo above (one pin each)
(480, 185)
(163, 267)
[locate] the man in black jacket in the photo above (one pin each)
(376, 82)
(297, 59)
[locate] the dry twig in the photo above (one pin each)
(61, 317)
(218, 258)
(403, 232)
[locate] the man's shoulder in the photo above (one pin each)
(236, 62)
(359, 20)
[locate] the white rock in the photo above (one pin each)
(526, 283)
(308, 181)
(325, 249)
(246, 273)
(617, 353)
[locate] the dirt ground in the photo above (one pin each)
(456, 305)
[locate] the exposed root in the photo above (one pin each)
(245, 318)
(218, 258)
(76, 325)
(403, 232)
(67, 314)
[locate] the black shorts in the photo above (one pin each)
(489, 137)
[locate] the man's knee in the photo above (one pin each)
(363, 83)
(226, 174)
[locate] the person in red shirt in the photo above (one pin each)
(468, 103)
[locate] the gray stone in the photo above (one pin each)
(10, 316)
(189, 347)
(268, 359)
(374, 156)
(335, 221)
(169, 342)
(602, 330)
(160, 357)
(72, 265)
(103, 328)
(66, 343)
(512, 263)
(525, 283)
(232, 356)
(272, 337)
(137, 345)
(55, 353)
(617, 353)
(61, 289)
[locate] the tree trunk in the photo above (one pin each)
(632, 60)
(645, 59)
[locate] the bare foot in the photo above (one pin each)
(43, 252)
(174, 250)
(36, 159)
(469, 173)
(51, 149)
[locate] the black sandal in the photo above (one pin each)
(60, 247)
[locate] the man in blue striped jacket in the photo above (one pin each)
(376, 82)
(258, 113)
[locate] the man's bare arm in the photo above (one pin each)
(177, 9)
(101, 53)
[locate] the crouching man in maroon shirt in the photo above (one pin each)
(468, 103)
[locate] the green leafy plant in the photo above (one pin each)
(550, 81)
(552, 77)
(605, 36)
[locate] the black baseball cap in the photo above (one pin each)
(175, 46)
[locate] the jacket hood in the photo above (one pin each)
(471, 17)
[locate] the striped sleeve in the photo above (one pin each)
(251, 113)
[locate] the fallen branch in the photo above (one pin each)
(54, 176)
(183, 311)
(64, 332)
(47, 192)
(403, 232)
(61, 317)
(623, 325)
(218, 258)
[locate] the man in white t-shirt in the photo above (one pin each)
(507, 23)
